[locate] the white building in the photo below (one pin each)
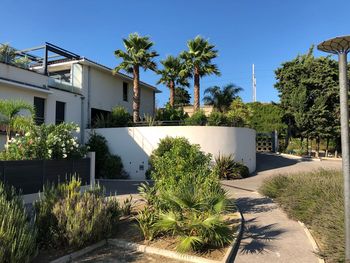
(66, 87)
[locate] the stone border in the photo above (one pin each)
(79, 253)
(312, 241)
(229, 256)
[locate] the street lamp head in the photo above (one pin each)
(336, 45)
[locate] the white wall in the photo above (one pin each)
(135, 144)
(107, 92)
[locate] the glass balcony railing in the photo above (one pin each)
(63, 85)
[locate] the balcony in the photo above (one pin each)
(63, 85)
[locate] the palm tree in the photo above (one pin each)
(221, 98)
(11, 118)
(170, 75)
(138, 54)
(198, 61)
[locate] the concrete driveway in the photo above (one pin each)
(269, 235)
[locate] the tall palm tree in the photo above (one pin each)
(11, 117)
(221, 98)
(138, 54)
(198, 59)
(170, 75)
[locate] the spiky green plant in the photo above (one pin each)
(17, 234)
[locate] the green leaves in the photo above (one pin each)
(138, 52)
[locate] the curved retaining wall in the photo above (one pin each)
(135, 144)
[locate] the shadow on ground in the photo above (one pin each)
(267, 161)
(255, 205)
(256, 238)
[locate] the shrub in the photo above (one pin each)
(226, 168)
(171, 114)
(240, 171)
(72, 218)
(112, 167)
(217, 119)
(315, 198)
(107, 165)
(120, 117)
(45, 142)
(198, 118)
(17, 234)
(186, 200)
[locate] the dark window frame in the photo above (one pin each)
(125, 91)
(39, 105)
(59, 118)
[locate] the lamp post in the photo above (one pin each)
(341, 46)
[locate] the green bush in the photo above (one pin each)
(217, 119)
(120, 117)
(186, 200)
(107, 165)
(45, 142)
(198, 118)
(315, 198)
(72, 218)
(17, 234)
(171, 114)
(113, 167)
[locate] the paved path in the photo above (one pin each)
(269, 235)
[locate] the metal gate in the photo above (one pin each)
(266, 142)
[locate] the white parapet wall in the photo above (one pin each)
(135, 144)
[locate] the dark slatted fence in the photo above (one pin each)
(30, 176)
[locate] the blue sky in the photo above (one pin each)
(265, 33)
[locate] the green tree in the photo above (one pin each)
(266, 117)
(198, 60)
(12, 116)
(308, 90)
(170, 75)
(182, 97)
(238, 114)
(138, 54)
(221, 98)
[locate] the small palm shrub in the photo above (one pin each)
(72, 218)
(198, 118)
(226, 168)
(217, 118)
(186, 200)
(17, 234)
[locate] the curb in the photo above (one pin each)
(157, 251)
(229, 256)
(300, 157)
(79, 253)
(312, 241)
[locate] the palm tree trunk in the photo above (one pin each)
(136, 97)
(172, 93)
(196, 89)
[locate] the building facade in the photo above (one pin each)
(70, 88)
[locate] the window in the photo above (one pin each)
(60, 112)
(39, 105)
(125, 91)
